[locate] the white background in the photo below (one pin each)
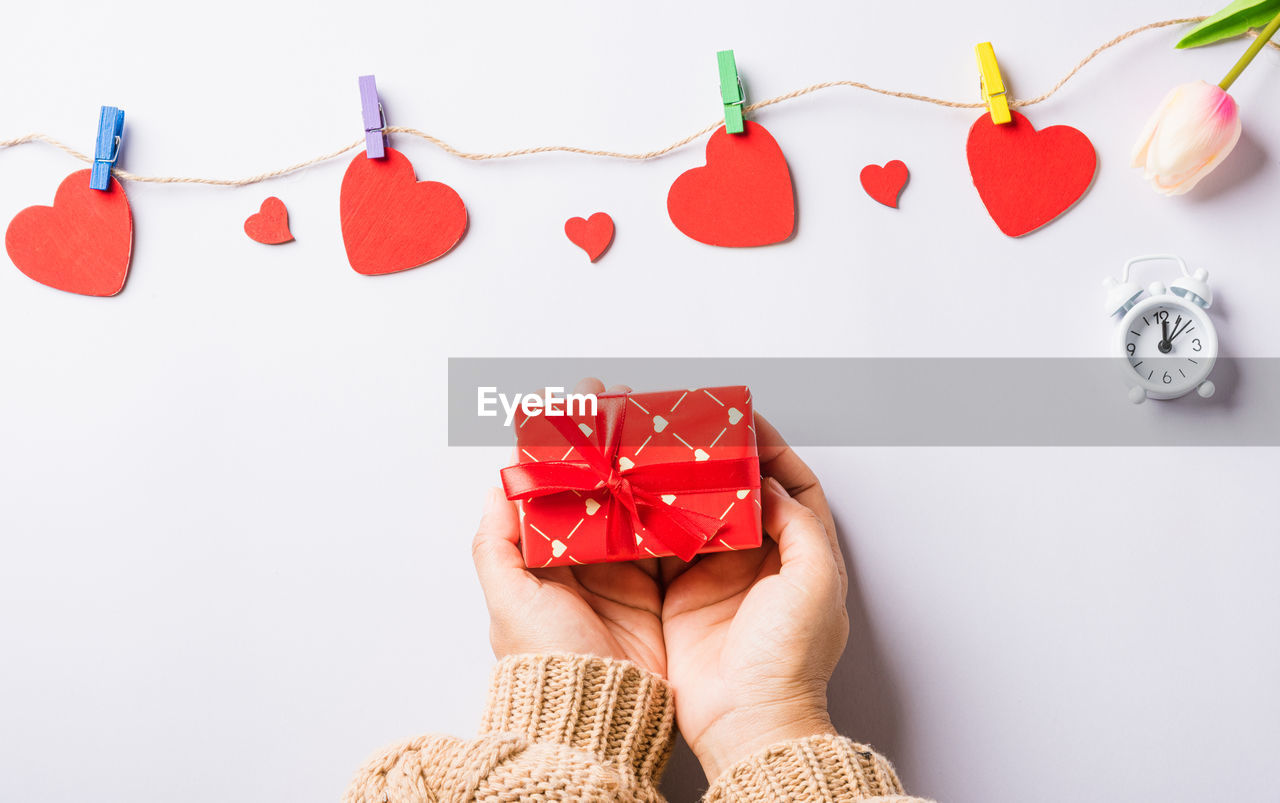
(234, 547)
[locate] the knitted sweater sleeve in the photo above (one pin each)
(822, 769)
(556, 727)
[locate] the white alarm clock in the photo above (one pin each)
(1167, 339)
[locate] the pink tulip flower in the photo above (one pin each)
(1194, 129)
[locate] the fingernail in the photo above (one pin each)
(490, 499)
(776, 487)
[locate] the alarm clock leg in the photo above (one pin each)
(1206, 389)
(1137, 395)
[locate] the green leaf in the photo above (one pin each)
(1233, 20)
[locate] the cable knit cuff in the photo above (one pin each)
(817, 768)
(618, 712)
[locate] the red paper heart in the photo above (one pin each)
(884, 184)
(81, 244)
(592, 234)
(270, 225)
(391, 221)
(1026, 177)
(742, 197)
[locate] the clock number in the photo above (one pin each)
(1131, 349)
(1167, 378)
(1196, 343)
(1161, 316)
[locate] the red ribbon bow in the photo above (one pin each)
(638, 492)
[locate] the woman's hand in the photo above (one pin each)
(754, 636)
(612, 610)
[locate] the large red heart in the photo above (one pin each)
(270, 224)
(81, 244)
(885, 184)
(742, 197)
(592, 234)
(1026, 177)
(393, 222)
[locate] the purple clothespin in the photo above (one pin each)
(375, 138)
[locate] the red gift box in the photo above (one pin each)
(649, 475)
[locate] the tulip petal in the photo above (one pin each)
(1139, 158)
(1207, 167)
(1192, 132)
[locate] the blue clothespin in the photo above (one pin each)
(375, 137)
(107, 148)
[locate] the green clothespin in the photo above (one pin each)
(731, 92)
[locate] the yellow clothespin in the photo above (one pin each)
(993, 85)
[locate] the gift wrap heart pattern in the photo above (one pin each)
(678, 426)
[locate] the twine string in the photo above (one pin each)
(125, 175)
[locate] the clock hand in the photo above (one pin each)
(1164, 345)
(1178, 331)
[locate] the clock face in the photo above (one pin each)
(1170, 344)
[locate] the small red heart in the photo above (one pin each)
(742, 197)
(1026, 177)
(270, 225)
(884, 184)
(592, 234)
(81, 244)
(391, 221)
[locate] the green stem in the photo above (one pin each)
(1257, 45)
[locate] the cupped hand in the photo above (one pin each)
(752, 637)
(612, 610)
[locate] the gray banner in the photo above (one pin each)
(912, 402)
